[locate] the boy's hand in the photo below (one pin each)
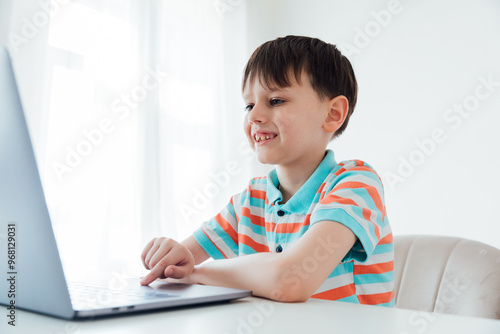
(166, 258)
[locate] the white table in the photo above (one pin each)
(255, 315)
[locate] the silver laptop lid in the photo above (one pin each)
(28, 256)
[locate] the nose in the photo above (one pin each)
(257, 114)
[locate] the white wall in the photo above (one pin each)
(426, 58)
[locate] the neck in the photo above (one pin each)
(293, 176)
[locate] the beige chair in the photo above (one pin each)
(447, 275)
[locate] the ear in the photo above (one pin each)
(335, 117)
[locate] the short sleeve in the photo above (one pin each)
(355, 199)
(219, 235)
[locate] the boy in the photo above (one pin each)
(312, 227)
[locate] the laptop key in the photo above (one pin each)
(88, 296)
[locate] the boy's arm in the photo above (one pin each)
(194, 247)
(293, 275)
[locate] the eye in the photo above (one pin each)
(275, 102)
(248, 108)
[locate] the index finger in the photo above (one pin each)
(155, 273)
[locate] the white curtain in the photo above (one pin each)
(135, 113)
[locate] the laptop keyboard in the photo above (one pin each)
(88, 297)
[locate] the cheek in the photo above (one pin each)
(290, 127)
(246, 126)
(246, 130)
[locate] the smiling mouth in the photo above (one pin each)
(264, 137)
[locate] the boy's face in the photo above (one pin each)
(284, 126)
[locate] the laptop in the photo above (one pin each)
(32, 274)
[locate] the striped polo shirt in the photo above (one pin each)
(349, 192)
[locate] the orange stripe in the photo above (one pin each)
(378, 268)
(293, 227)
(359, 162)
(386, 240)
(340, 171)
(270, 226)
(256, 220)
(367, 215)
(260, 194)
(371, 191)
(235, 213)
(246, 240)
(213, 243)
(341, 200)
(227, 228)
(337, 199)
(363, 168)
(337, 293)
(288, 228)
(376, 298)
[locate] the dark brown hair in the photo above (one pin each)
(278, 62)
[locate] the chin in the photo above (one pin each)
(266, 159)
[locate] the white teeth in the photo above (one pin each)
(259, 138)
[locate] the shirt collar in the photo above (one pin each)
(303, 199)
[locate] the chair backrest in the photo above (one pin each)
(447, 275)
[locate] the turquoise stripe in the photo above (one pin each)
(230, 210)
(245, 250)
(392, 303)
(339, 215)
(341, 269)
(227, 240)
(385, 248)
(374, 278)
(358, 211)
(353, 175)
(372, 206)
(316, 199)
(207, 245)
(257, 202)
(215, 227)
(257, 229)
(243, 198)
(351, 299)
